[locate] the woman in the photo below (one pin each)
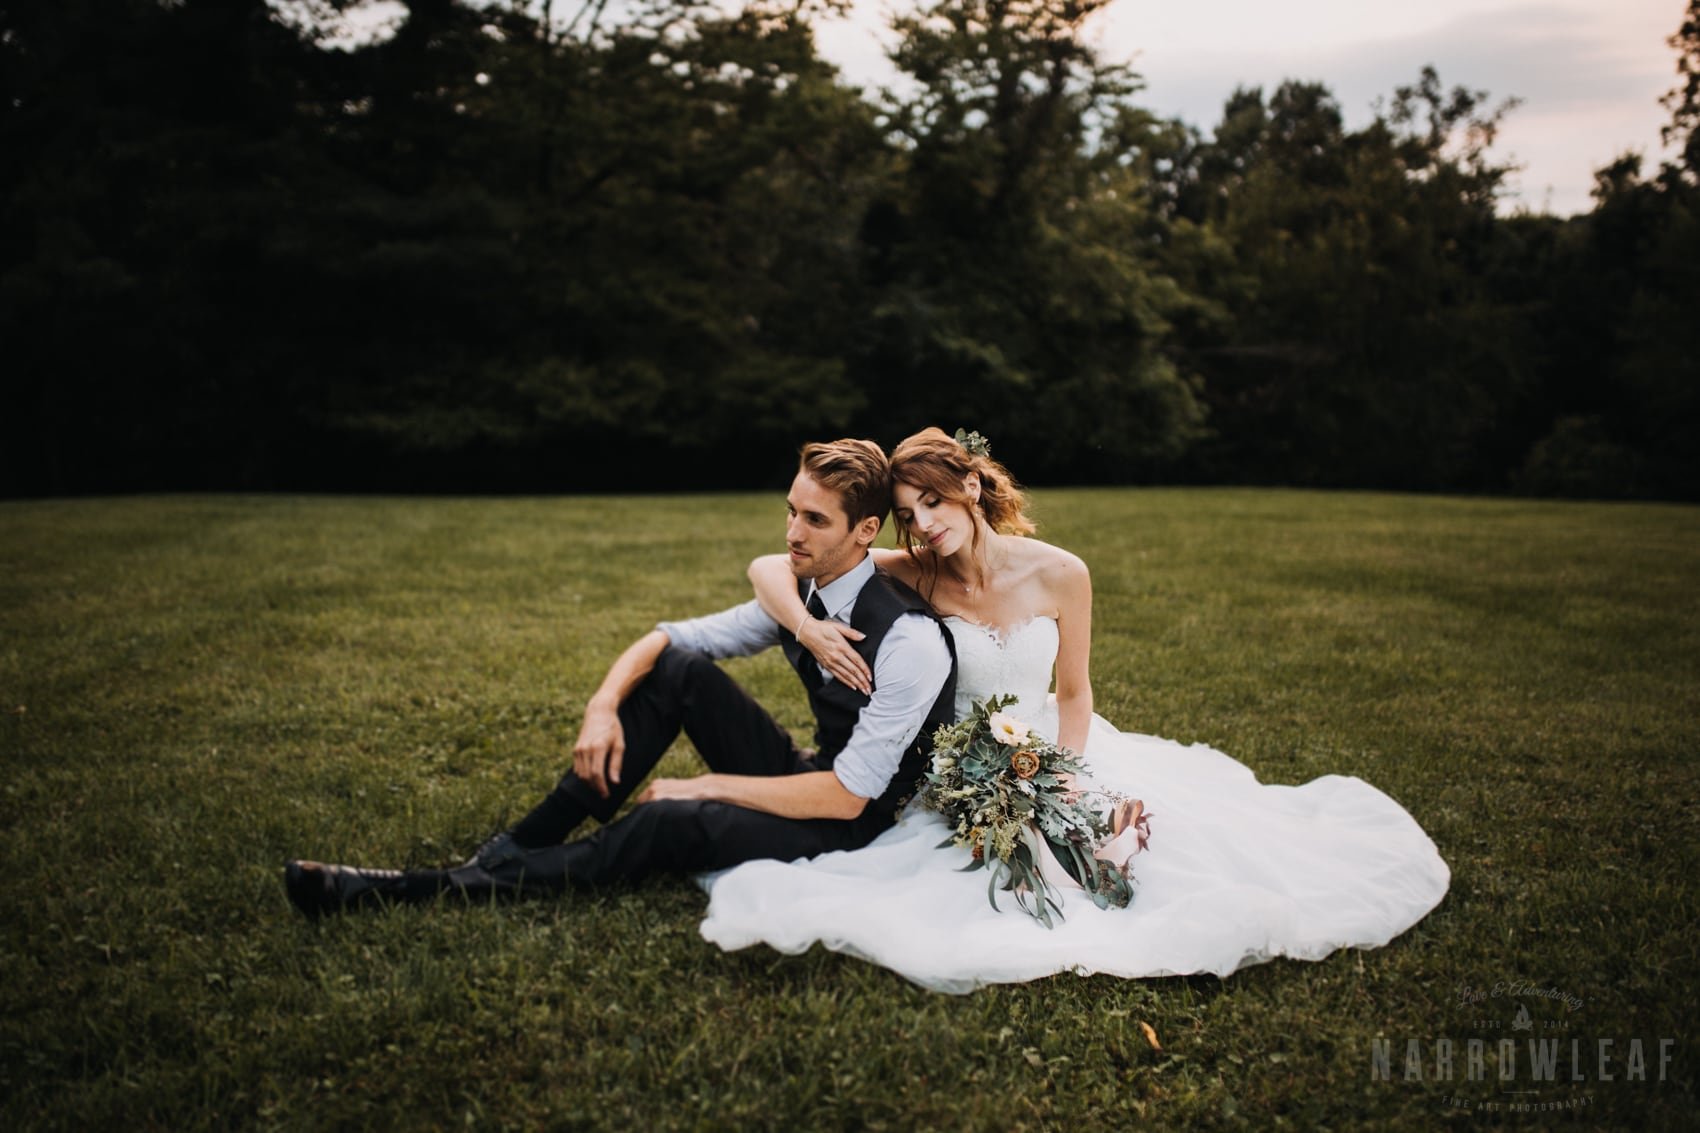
(1237, 872)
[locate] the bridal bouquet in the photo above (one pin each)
(1004, 791)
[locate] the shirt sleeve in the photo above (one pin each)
(909, 670)
(737, 632)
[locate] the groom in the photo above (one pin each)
(762, 798)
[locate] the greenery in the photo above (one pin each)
(509, 245)
(1005, 795)
(198, 688)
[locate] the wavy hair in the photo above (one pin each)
(934, 462)
(855, 470)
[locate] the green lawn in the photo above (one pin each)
(195, 689)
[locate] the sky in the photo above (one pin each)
(1589, 74)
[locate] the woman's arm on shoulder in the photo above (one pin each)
(1069, 585)
(776, 591)
(898, 563)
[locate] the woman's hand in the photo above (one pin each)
(829, 643)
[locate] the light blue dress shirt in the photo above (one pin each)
(909, 670)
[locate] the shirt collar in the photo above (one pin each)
(841, 592)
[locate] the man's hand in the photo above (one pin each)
(699, 787)
(807, 794)
(601, 744)
(600, 747)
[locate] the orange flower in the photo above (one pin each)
(1026, 764)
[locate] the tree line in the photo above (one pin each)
(516, 248)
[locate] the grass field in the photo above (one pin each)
(195, 689)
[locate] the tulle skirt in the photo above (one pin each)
(1237, 872)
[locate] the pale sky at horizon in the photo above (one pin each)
(1589, 74)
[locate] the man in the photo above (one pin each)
(761, 798)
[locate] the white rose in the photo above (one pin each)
(1008, 730)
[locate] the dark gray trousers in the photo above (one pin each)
(687, 692)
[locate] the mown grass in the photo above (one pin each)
(195, 689)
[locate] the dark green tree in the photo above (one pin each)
(1683, 101)
(1016, 283)
(519, 244)
(149, 146)
(1624, 403)
(682, 190)
(1361, 347)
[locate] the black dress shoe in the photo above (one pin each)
(517, 872)
(497, 850)
(316, 888)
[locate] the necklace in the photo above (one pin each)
(967, 587)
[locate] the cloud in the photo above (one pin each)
(1589, 83)
(1556, 59)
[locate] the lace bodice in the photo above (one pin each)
(1017, 662)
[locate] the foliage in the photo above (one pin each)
(1014, 255)
(1683, 101)
(1007, 796)
(1363, 346)
(510, 246)
(1622, 388)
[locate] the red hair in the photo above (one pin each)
(935, 462)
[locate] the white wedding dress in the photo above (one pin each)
(1236, 872)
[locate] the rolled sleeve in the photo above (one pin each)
(737, 632)
(909, 671)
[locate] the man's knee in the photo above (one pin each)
(687, 824)
(681, 682)
(666, 813)
(667, 835)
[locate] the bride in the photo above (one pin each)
(1237, 872)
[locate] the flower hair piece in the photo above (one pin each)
(973, 443)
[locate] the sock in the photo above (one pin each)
(419, 885)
